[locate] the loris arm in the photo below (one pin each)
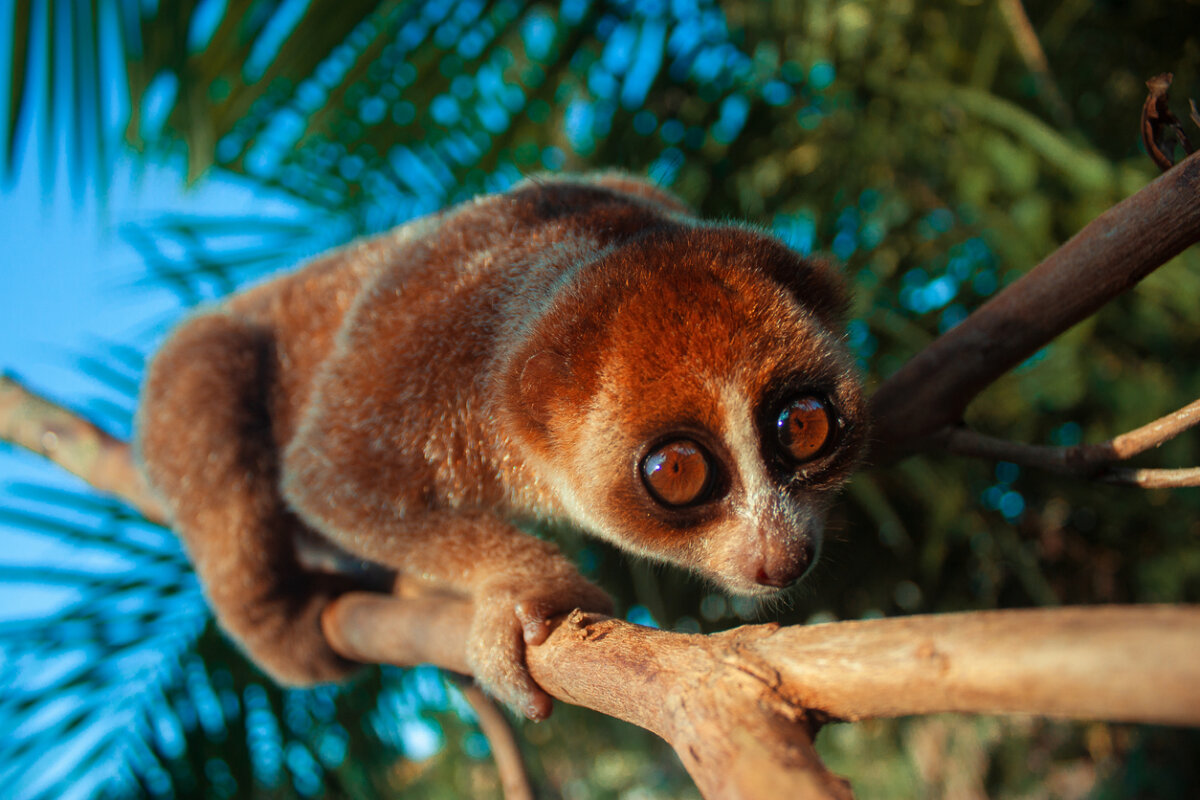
(516, 581)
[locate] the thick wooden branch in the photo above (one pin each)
(734, 735)
(1108, 257)
(1120, 663)
(764, 689)
(1094, 461)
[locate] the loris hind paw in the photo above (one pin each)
(509, 617)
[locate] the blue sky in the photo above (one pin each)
(67, 291)
(61, 270)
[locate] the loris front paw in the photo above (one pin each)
(509, 615)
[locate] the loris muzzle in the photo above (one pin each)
(575, 349)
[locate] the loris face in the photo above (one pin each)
(714, 410)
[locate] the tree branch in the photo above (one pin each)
(1030, 49)
(1095, 461)
(735, 736)
(75, 444)
(1121, 663)
(1153, 434)
(1154, 478)
(514, 777)
(765, 689)
(1108, 257)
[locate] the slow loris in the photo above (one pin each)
(579, 349)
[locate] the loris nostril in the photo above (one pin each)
(780, 581)
(782, 568)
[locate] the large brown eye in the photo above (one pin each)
(805, 426)
(677, 473)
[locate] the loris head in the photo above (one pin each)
(688, 396)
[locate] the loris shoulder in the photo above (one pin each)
(580, 349)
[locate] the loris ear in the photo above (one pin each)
(817, 284)
(540, 383)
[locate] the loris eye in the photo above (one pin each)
(805, 426)
(678, 473)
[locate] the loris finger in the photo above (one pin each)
(535, 612)
(496, 655)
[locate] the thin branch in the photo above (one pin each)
(1154, 478)
(1108, 257)
(514, 777)
(75, 444)
(1030, 48)
(1153, 434)
(1096, 461)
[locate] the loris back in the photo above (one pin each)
(580, 349)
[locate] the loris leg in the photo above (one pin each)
(205, 441)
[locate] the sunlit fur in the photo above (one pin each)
(413, 395)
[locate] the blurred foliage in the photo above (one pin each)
(923, 144)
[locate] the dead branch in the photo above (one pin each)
(1154, 478)
(1108, 257)
(773, 685)
(1095, 461)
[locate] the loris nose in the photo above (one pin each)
(783, 568)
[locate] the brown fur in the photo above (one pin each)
(410, 396)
